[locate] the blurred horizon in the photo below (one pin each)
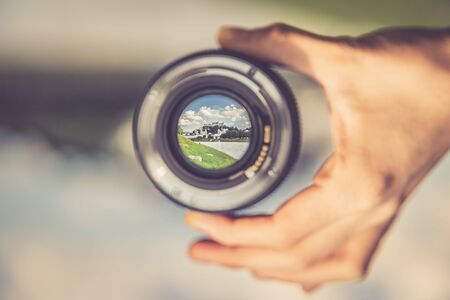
(116, 35)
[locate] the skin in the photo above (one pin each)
(388, 95)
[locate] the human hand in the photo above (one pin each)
(389, 100)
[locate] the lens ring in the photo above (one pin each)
(275, 105)
(211, 181)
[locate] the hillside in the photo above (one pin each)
(204, 156)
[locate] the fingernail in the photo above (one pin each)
(197, 252)
(227, 29)
(193, 253)
(226, 33)
(195, 220)
(188, 217)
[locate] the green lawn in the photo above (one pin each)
(204, 156)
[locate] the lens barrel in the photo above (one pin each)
(250, 110)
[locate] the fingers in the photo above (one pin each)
(283, 45)
(238, 257)
(317, 260)
(309, 211)
(284, 260)
(231, 231)
(273, 44)
(349, 263)
(313, 218)
(327, 256)
(302, 215)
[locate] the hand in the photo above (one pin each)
(389, 100)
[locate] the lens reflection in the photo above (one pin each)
(214, 132)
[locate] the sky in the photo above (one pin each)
(213, 108)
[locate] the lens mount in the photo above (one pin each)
(272, 148)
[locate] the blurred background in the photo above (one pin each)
(78, 217)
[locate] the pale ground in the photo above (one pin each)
(233, 149)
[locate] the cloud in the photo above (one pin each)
(234, 112)
(189, 113)
(210, 113)
(190, 118)
(230, 115)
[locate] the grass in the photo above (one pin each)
(211, 158)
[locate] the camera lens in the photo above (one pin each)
(217, 131)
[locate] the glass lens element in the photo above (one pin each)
(214, 132)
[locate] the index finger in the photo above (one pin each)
(284, 45)
(281, 230)
(231, 231)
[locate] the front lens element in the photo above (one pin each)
(214, 132)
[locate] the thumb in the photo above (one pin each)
(284, 45)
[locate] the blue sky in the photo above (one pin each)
(212, 101)
(213, 108)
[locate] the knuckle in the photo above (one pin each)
(349, 42)
(374, 189)
(381, 185)
(279, 30)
